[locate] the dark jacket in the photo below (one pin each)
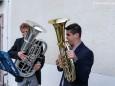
(13, 52)
(83, 66)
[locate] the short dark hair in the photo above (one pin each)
(74, 28)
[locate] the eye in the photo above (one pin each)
(68, 34)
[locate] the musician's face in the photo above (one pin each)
(70, 37)
(24, 31)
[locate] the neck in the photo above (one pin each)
(76, 42)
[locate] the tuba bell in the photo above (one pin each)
(33, 48)
(68, 68)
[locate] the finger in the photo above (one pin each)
(57, 62)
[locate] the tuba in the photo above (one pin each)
(33, 48)
(68, 67)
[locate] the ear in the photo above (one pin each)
(76, 35)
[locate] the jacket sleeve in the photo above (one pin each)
(59, 69)
(83, 66)
(41, 58)
(13, 52)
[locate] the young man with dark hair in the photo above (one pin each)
(82, 57)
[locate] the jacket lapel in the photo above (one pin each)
(77, 50)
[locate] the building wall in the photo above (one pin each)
(2, 35)
(51, 77)
(96, 18)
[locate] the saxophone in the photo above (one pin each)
(69, 67)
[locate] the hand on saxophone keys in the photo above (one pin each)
(21, 55)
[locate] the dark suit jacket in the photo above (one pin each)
(13, 52)
(83, 66)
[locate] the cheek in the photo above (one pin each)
(67, 37)
(70, 39)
